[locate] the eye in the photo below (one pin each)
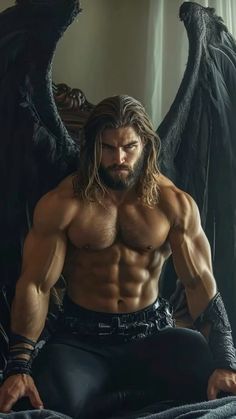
(107, 146)
(130, 146)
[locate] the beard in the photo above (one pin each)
(114, 179)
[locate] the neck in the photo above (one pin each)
(118, 197)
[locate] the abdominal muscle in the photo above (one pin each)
(113, 280)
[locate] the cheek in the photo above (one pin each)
(105, 158)
(136, 155)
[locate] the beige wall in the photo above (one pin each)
(103, 52)
(6, 3)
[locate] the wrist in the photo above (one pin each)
(220, 339)
(21, 350)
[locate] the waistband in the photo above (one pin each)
(81, 321)
(72, 309)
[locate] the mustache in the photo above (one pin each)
(119, 167)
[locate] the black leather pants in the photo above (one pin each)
(97, 363)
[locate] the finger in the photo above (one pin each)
(7, 403)
(212, 392)
(35, 399)
(231, 388)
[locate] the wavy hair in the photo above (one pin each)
(117, 112)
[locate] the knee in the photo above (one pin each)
(187, 349)
(195, 342)
(195, 354)
(68, 379)
(188, 338)
(188, 363)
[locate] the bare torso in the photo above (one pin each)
(116, 252)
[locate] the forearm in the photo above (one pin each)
(209, 316)
(29, 310)
(199, 292)
(199, 297)
(214, 324)
(28, 315)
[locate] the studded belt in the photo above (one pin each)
(123, 327)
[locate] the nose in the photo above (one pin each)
(119, 156)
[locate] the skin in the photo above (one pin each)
(111, 254)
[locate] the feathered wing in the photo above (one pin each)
(199, 139)
(36, 150)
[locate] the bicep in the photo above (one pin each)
(43, 258)
(191, 256)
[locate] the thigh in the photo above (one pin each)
(69, 377)
(176, 363)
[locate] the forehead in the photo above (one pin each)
(120, 136)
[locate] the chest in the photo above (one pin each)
(136, 227)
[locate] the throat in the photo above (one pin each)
(119, 197)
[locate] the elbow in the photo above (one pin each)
(29, 291)
(23, 286)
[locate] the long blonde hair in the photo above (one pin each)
(117, 112)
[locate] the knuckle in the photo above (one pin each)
(32, 392)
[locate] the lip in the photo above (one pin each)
(120, 170)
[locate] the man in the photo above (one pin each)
(109, 229)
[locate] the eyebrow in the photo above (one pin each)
(125, 145)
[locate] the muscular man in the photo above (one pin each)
(109, 229)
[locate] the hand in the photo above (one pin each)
(221, 380)
(14, 388)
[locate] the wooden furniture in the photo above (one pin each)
(73, 106)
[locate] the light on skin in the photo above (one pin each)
(122, 153)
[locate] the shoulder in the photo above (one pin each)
(179, 207)
(57, 208)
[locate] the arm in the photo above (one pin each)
(43, 259)
(192, 256)
(192, 260)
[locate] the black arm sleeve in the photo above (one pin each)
(220, 337)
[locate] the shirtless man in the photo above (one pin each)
(109, 229)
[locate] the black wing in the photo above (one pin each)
(199, 138)
(36, 151)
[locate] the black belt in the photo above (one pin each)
(123, 326)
